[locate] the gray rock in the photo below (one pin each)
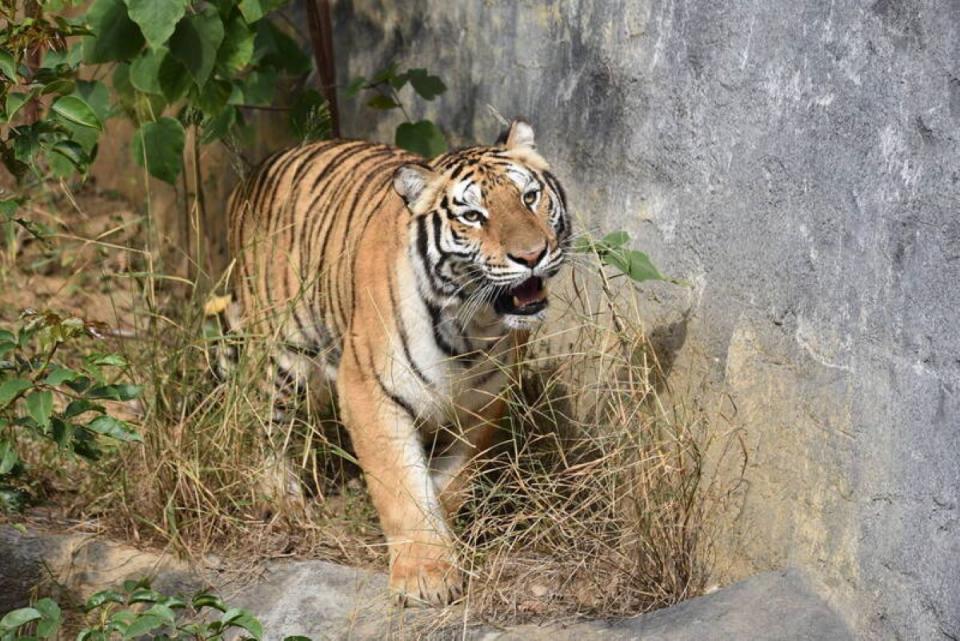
(799, 163)
(329, 602)
(75, 565)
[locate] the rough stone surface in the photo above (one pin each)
(328, 602)
(34, 562)
(799, 163)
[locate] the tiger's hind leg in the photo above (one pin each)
(222, 329)
(280, 486)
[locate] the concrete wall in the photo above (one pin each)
(799, 163)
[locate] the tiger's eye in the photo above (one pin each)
(472, 216)
(530, 198)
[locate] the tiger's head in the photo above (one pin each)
(490, 227)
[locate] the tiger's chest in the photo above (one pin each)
(443, 367)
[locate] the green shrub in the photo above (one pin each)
(43, 399)
(135, 611)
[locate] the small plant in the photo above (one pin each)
(612, 251)
(136, 611)
(52, 118)
(422, 137)
(43, 399)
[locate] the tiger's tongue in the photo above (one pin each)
(528, 292)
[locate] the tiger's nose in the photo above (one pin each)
(530, 257)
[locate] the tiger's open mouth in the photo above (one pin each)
(529, 297)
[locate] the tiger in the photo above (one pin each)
(411, 287)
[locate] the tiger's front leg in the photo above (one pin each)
(423, 563)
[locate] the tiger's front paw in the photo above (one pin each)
(425, 574)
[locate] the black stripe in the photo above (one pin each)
(385, 192)
(397, 399)
(402, 330)
(438, 337)
(555, 186)
(364, 182)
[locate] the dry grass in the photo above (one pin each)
(595, 502)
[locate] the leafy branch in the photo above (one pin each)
(422, 137)
(47, 400)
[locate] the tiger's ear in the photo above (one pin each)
(518, 135)
(410, 181)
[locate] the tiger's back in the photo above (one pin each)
(295, 226)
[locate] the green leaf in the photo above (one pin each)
(217, 127)
(616, 239)
(76, 110)
(72, 151)
(14, 103)
(96, 95)
(238, 618)
(195, 42)
(16, 618)
(9, 206)
(8, 65)
(383, 102)
(80, 384)
(214, 97)
(117, 392)
(143, 624)
(159, 146)
(102, 597)
(144, 594)
(354, 87)
(117, 36)
(207, 600)
(423, 138)
(157, 18)
(40, 407)
(61, 86)
(62, 432)
(107, 360)
(50, 621)
(173, 79)
(251, 10)
(114, 428)
(273, 47)
(387, 74)
(634, 264)
(174, 602)
(12, 388)
(399, 80)
(260, 87)
(237, 49)
(8, 457)
(428, 86)
(164, 612)
(79, 406)
(145, 71)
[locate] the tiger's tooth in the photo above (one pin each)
(516, 302)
